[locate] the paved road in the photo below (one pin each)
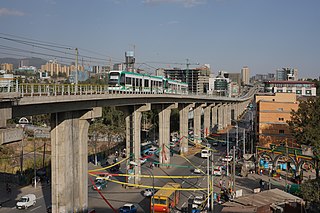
(117, 195)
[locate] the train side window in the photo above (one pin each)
(122, 79)
(128, 80)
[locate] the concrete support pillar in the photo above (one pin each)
(5, 114)
(133, 116)
(183, 112)
(197, 122)
(164, 132)
(214, 115)
(228, 114)
(235, 112)
(207, 120)
(69, 143)
(220, 117)
(238, 110)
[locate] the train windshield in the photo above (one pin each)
(114, 78)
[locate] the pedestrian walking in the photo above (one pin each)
(220, 183)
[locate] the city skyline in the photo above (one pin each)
(227, 34)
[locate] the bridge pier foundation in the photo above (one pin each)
(184, 121)
(164, 132)
(214, 116)
(69, 176)
(207, 120)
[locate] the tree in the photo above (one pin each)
(96, 130)
(304, 125)
(310, 193)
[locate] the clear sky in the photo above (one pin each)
(227, 34)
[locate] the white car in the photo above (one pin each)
(152, 150)
(143, 160)
(197, 171)
(148, 192)
(227, 158)
(103, 177)
(26, 201)
(217, 170)
(198, 200)
(205, 153)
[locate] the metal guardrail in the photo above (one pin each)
(36, 89)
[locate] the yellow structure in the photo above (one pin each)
(273, 112)
(53, 67)
(7, 67)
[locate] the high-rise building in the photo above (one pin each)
(197, 78)
(286, 74)
(235, 77)
(245, 75)
(24, 63)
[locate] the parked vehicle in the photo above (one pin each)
(197, 171)
(217, 170)
(143, 160)
(128, 208)
(152, 150)
(148, 192)
(227, 158)
(205, 153)
(26, 201)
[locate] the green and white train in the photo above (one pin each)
(137, 82)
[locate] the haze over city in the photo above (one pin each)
(227, 34)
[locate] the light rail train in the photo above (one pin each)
(137, 82)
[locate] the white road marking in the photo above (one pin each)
(35, 208)
(39, 197)
(13, 207)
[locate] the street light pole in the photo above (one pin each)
(151, 174)
(208, 174)
(227, 153)
(34, 161)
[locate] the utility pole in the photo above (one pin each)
(234, 171)
(76, 76)
(227, 152)
(212, 167)
(208, 174)
(287, 157)
(244, 141)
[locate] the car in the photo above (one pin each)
(198, 200)
(143, 160)
(100, 184)
(227, 158)
(103, 177)
(148, 192)
(205, 153)
(195, 210)
(152, 150)
(197, 171)
(26, 201)
(214, 143)
(128, 208)
(217, 170)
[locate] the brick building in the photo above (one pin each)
(273, 112)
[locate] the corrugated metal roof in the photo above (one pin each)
(264, 198)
